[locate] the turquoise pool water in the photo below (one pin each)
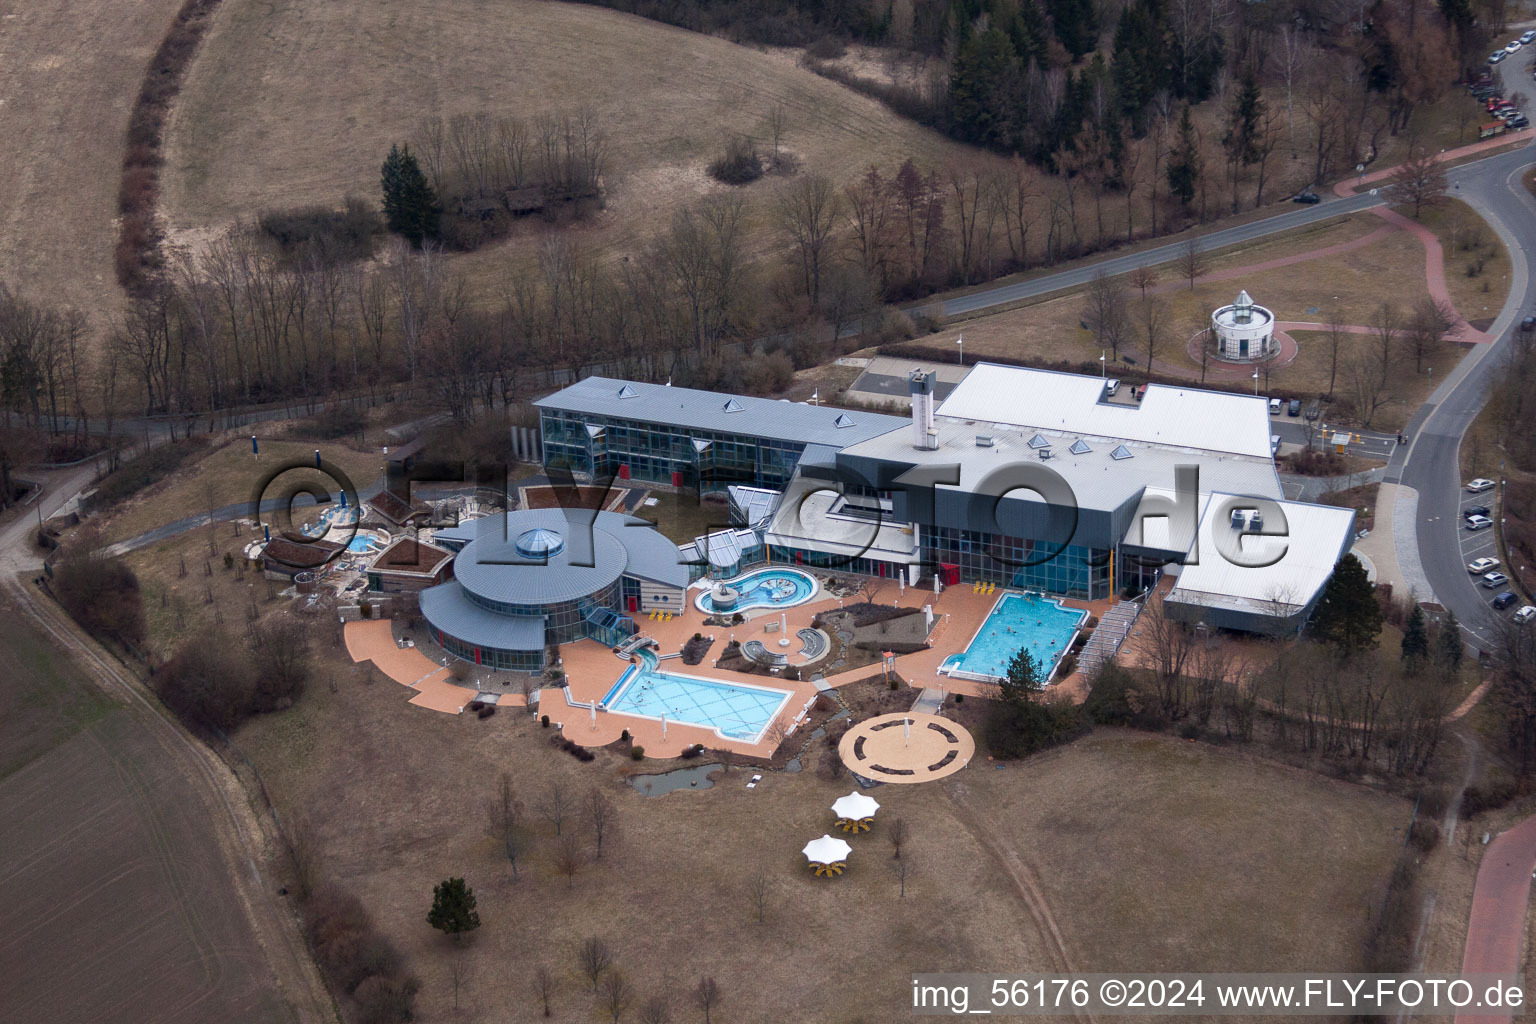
(1030, 621)
(765, 588)
(362, 544)
(736, 712)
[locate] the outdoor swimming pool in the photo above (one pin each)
(761, 588)
(735, 711)
(1040, 624)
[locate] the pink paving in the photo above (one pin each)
(1496, 930)
(374, 640)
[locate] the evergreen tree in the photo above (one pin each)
(1242, 135)
(1023, 678)
(1184, 161)
(453, 908)
(1076, 23)
(1449, 646)
(410, 205)
(1415, 637)
(1348, 615)
(1138, 63)
(984, 91)
(1030, 34)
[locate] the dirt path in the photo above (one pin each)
(1025, 882)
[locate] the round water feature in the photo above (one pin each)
(761, 588)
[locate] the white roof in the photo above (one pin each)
(855, 806)
(826, 850)
(1316, 537)
(1180, 417)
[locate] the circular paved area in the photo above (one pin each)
(1219, 367)
(906, 748)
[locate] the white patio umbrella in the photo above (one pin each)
(826, 850)
(855, 807)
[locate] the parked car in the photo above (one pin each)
(1527, 37)
(1494, 103)
(1496, 56)
(1513, 47)
(1112, 388)
(1475, 510)
(1313, 411)
(1519, 121)
(1479, 485)
(1294, 408)
(1482, 565)
(1274, 407)
(1274, 444)
(1525, 614)
(1505, 113)
(1505, 599)
(1494, 579)
(1307, 196)
(1478, 522)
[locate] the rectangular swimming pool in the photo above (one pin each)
(1041, 625)
(736, 711)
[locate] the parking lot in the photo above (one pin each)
(1483, 543)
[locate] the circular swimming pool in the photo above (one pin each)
(762, 588)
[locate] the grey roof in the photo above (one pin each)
(447, 609)
(712, 410)
(753, 505)
(1098, 478)
(491, 567)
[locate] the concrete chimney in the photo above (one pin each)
(920, 385)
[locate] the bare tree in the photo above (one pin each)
(1154, 316)
(1144, 277)
(808, 210)
(554, 804)
(1193, 260)
(1104, 310)
(594, 957)
(1333, 333)
(1419, 182)
(543, 985)
(757, 890)
(569, 856)
(460, 971)
(504, 819)
(1429, 324)
(706, 996)
(903, 869)
(602, 816)
(304, 851)
(615, 994)
(1165, 645)
(656, 1010)
(897, 834)
(778, 122)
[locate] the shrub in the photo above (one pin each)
(101, 594)
(624, 735)
(1489, 795)
(141, 471)
(689, 753)
(486, 710)
(636, 753)
(1424, 835)
(959, 698)
(207, 683)
(1066, 666)
(827, 48)
(365, 609)
(1016, 729)
(544, 721)
(739, 164)
(333, 236)
(1190, 731)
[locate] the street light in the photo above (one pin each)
(1103, 366)
(1255, 383)
(960, 342)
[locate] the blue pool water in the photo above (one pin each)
(736, 712)
(1017, 621)
(362, 544)
(766, 588)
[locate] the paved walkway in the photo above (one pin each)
(374, 640)
(1496, 931)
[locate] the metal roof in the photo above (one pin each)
(447, 609)
(491, 567)
(1316, 537)
(715, 411)
(1071, 403)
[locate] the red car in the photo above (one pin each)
(1494, 102)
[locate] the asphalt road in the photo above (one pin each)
(1430, 462)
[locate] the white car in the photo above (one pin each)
(1525, 614)
(1513, 47)
(1479, 485)
(1112, 388)
(1482, 565)
(1494, 579)
(1478, 522)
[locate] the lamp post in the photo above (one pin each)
(960, 348)
(1103, 366)
(1255, 383)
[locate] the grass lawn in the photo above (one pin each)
(1145, 852)
(228, 475)
(44, 701)
(1476, 262)
(681, 516)
(1361, 499)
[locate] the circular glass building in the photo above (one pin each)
(1244, 332)
(526, 580)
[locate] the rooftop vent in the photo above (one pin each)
(731, 405)
(1079, 447)
(1238, 518)
(985, 440)
(1121, 452)
(1256, 520)
(843, 420)
(628, 392)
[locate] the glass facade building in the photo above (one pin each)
(1075, 571)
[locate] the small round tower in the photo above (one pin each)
(1244, 331)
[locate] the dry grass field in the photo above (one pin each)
(115, 897)
(297, 101)
(1146, 853)
(68, 75)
